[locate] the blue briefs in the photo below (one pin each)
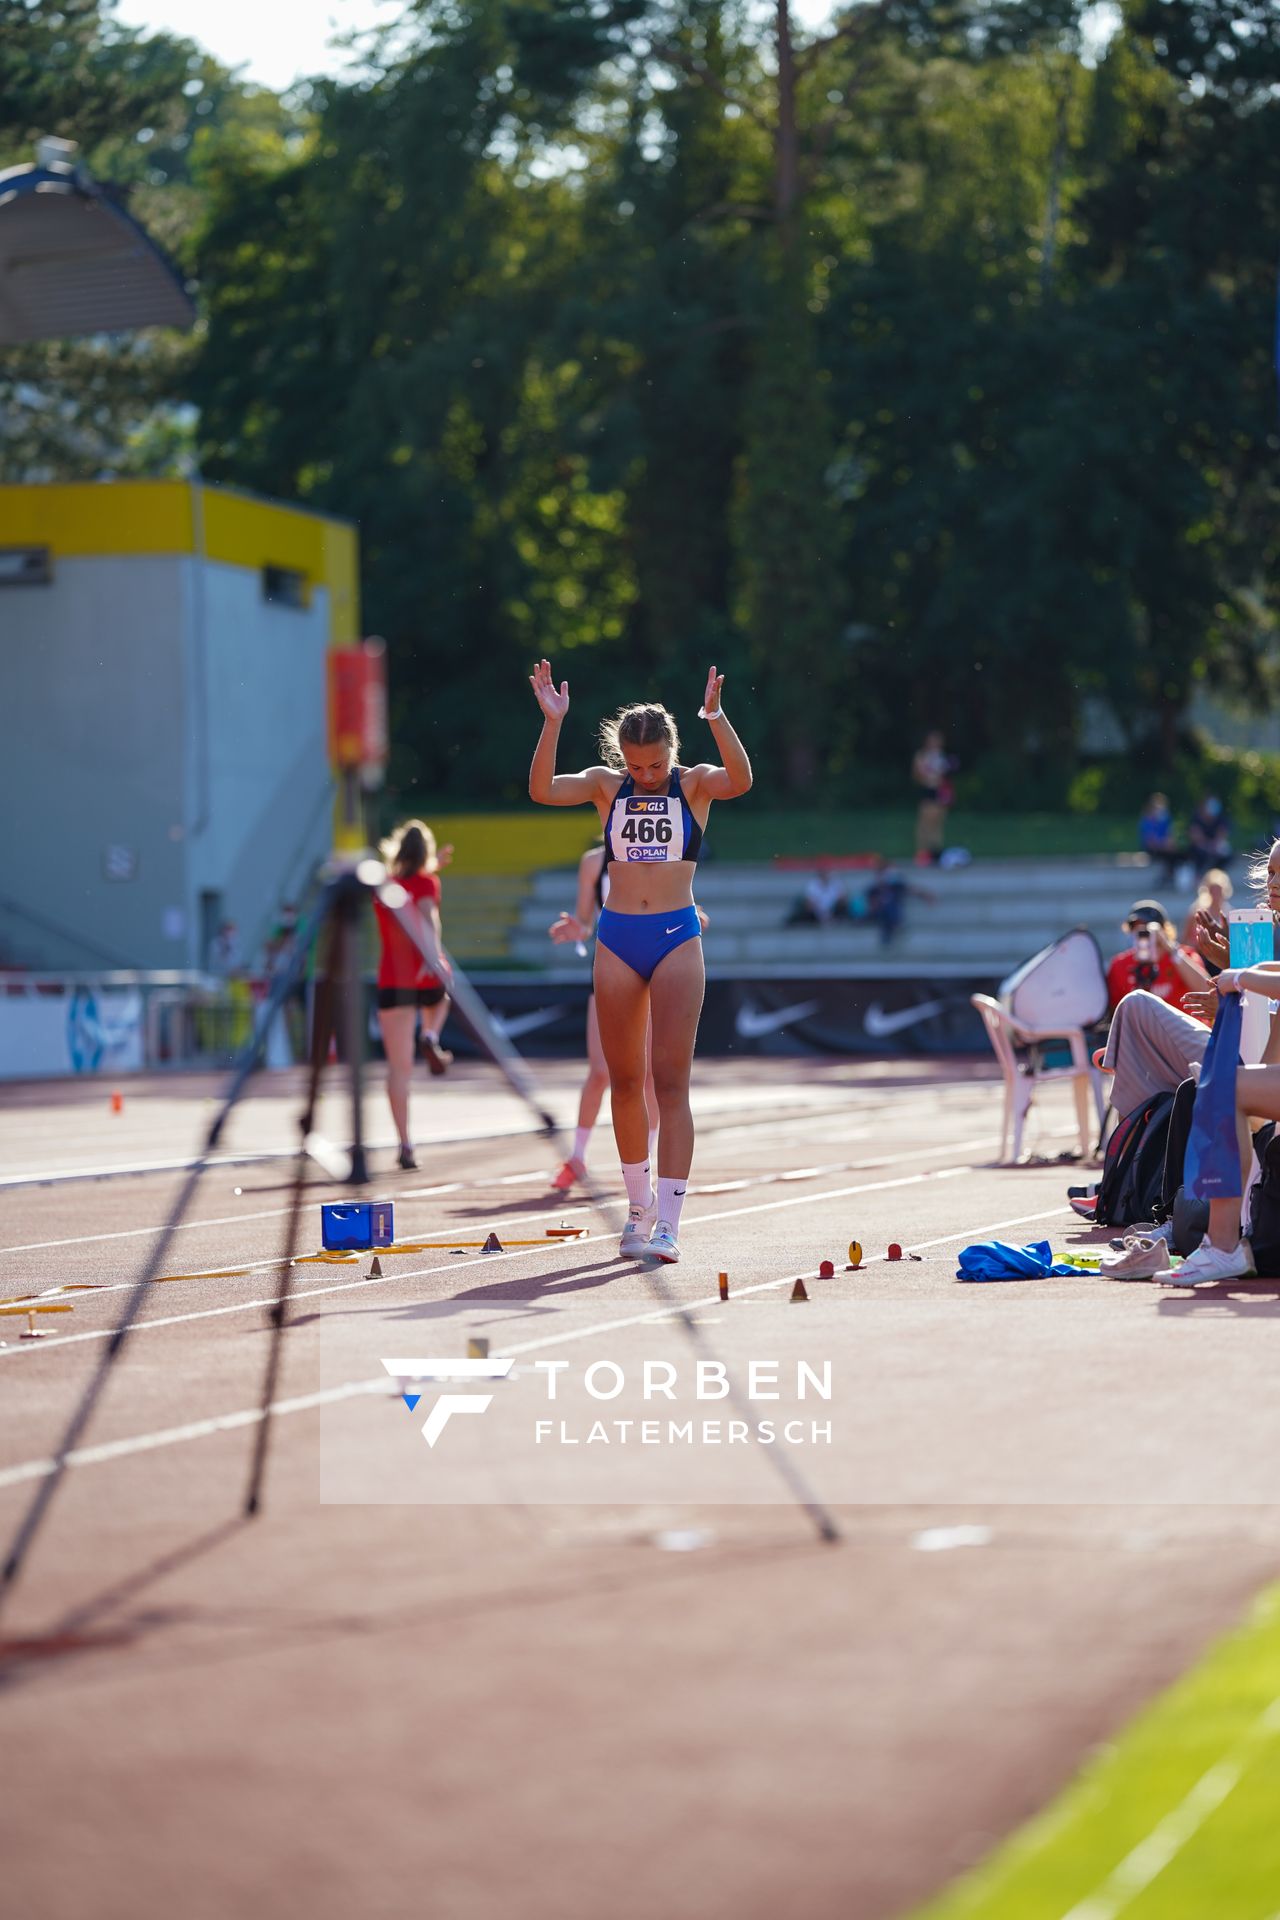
(641, 940)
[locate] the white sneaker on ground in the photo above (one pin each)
(662, 1243)
(1158, 1230)
(1141, 1259)
(1214, 1263)
(635, 1235)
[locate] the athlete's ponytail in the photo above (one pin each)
(642, 726)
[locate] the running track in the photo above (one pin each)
(567, 1709)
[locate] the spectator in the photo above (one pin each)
(1156, 836)
(1153, 960)
(931, 769)
(1153, 1046)
(224, 950)
(1209, 833)
(1209, 906)
(278, 949)
(823, 900)
(885, 899)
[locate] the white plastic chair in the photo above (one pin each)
(1022, 1073)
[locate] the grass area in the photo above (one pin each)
(1174, 1821)
(746, 831)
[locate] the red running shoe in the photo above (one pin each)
(567, 1174)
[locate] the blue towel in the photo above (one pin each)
(1211, 1169)
(995, 1260)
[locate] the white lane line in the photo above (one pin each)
(225, 1220)
(352, 1389)
(1170, 1836)
(852, 1100)
(487, 1260)
(455, 1186)
(195, 1430)
(57, 1176)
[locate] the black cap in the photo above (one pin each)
(1147, 912)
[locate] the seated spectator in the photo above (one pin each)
(1209, 907)
(822, 901)
(1156, 836)
(886, 897)
(1153, 960)
(1153, 1046)
(1161, 1019)
(1209, 833)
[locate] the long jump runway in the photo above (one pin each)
(530, 1698)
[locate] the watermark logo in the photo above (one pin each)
(417, 1372)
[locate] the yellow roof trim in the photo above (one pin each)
(125, 517)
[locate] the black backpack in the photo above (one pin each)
(1264, 1207)
(1133, 1169)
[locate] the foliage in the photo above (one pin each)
(918, 371)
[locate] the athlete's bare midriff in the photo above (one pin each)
(653, 891)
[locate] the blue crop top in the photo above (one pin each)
(648, 828)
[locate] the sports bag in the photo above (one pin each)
(1133, 1168)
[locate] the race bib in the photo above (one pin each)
(647, 830)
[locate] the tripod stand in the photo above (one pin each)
(337, 1006)
(339, 1009)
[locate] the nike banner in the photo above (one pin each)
(869, 1017)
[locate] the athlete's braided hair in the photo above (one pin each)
(640, 726)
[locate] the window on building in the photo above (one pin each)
(285, 587)
(25, 567)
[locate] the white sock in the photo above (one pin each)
(653, 1148)
(639, 1186)
(671, 1199)
(580, 1139)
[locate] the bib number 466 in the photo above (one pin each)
(645, 830)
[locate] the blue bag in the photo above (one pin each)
(1211, 1170)
(997, 1260)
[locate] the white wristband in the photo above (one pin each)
(704, 715)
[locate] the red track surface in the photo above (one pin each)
(538, 1710)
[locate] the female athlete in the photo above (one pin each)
(648, 965)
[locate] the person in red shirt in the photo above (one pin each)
(405, 983)
(1153, 960)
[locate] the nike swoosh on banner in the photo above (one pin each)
(752, 1024)
(880, 1024)
(527, 1022)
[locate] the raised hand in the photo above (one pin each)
(554, 705)
(1212, 939)
(711, 698)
